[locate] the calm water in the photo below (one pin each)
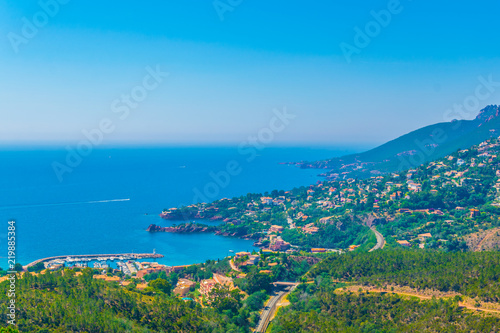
(79, 214)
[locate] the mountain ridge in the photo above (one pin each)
(420, 146)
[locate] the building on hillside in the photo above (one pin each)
(223, 280)
(423, 237)
(415, 187)
(206, 286)
(279, 244)
(325, 220)
(403, 242)
(353, 247)
(183, 287)
(178, 268)
(241, 254)
(153, 269)
(252, 259)
(310, 229)
(276, 228)
(266, 200)
(474, 212)
(107, 278)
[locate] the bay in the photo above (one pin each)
(108, 200)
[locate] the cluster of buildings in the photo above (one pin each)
(252, 259)
(276, 243)
(206, 286)
(148, 268)
(325, 203)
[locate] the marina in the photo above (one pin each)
(101, 259)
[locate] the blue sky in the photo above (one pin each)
(226, 76)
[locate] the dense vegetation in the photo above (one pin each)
(57, 302)
(475, 274)
(320, 309)
(331, 236)
(9, 329)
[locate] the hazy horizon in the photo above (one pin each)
(69, 66)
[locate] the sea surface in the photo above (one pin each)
(108, 200)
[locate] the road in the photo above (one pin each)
(269, 310)
(291, 225)
(266, 315)
(233, 266)
(380, 240)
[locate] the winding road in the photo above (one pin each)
(380, 240)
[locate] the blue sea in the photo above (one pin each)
(112, 195)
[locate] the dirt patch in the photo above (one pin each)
(484, 240)
(428, 294)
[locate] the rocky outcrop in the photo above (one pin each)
(225, 233)
(190, 214)
(178, 215)
(371, 220)
(239, 234)
(183, 228)
(488, 113)
(310, 260)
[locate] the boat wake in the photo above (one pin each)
(64, 204)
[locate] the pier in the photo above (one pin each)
(129, 256)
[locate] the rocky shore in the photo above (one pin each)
(194, 228)
(184, 228)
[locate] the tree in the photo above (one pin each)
(37, 268)
(222, 299)
(255, 301)
(161, 285)
(258, 282)
(174, 277)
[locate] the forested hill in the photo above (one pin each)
(65, 302)
(327, 303)
(420, 146)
